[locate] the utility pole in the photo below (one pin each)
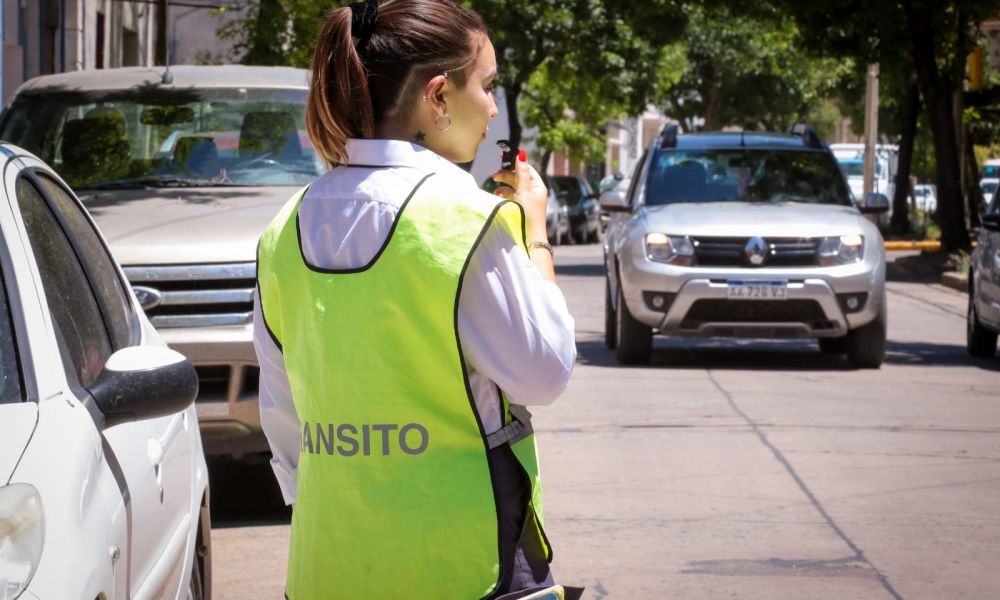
(871, 128)
(161, 32)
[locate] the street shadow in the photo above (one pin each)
(245, 493)
(581, 270)
(775, 355)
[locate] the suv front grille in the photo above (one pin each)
(195, 295)
(754, 311)
(781, 252)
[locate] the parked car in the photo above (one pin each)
(103, 482)
(984, 286)
(743, 234)
(557, 225)
(584, 211)
(182, 178)
(926, 197)
(988, 186)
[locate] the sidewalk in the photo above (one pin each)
(913, 265)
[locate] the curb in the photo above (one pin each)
(912, 245)
(955, 280)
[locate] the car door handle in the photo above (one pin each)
(155, 446)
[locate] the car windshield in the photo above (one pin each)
(148, 136)
(988, 187)
(745, 175)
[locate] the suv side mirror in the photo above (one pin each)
(991, 221)
(875, 203)
(143, 382)
(614, 201)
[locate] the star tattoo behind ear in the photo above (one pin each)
(420, 136)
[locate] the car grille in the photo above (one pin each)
(754, 311)
(781, 252)
(195, 295)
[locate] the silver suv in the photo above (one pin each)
(182, 176)
(743, 235)
(984, 286)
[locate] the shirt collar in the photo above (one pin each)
(395, 153)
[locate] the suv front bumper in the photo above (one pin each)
(227, 403)
(693, 300)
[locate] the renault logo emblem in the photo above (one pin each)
(755, 251)
(148, 297)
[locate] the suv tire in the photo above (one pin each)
(979, 341)
(610, 319)
(836, 345)
(866, 344)
(634, 341)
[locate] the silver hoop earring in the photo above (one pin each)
(446, 127)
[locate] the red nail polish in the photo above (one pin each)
(522, 155)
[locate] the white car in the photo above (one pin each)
(103, 482)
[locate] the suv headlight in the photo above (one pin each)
(673, 249)
(22, 532)
(841, 250)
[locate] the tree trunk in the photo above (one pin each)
(714, 101)
(543, 164)
(510, 96)
(938, 90)
(911, 111)
(973, 193)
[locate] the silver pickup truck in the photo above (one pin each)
(182, 174)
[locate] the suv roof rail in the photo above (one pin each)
(808, 135)
(668, 137)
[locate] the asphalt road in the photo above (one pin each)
(738, 469)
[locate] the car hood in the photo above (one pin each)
(185, 226)
(744, 219)
(17, 423)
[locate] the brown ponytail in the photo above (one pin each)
(354, 88)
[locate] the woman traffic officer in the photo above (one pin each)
(404, 320)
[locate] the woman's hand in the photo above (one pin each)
(525, 186)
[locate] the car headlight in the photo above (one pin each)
(841, 250)
(673, 249)
(22, 533)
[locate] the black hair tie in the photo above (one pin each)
(363, 17)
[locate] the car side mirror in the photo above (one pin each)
(991, 221)
(143, 382)
(614, 201)
(875, 203)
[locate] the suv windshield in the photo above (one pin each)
(745, 175)
(151, 136)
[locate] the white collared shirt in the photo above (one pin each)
(514, 327)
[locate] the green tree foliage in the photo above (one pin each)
(275, 32)
(567, 66)
(743, 69)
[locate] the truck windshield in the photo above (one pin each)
(745, 175)
(150, 136)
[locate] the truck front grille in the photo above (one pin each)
(781, 252)
(195, 295)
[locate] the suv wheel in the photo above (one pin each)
(979, 341)
(610, 319)
(866, 344)
(837, 345)
(634, 341)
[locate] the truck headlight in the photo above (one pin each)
(841, 250)
(22, 533)
(673, 249)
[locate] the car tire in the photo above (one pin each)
(610, 319)
(633, 340)
(866, 344)
(979, 341)
(837, 345)
(196, 585)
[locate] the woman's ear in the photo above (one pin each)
(434, 93)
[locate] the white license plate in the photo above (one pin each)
(756, 290)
